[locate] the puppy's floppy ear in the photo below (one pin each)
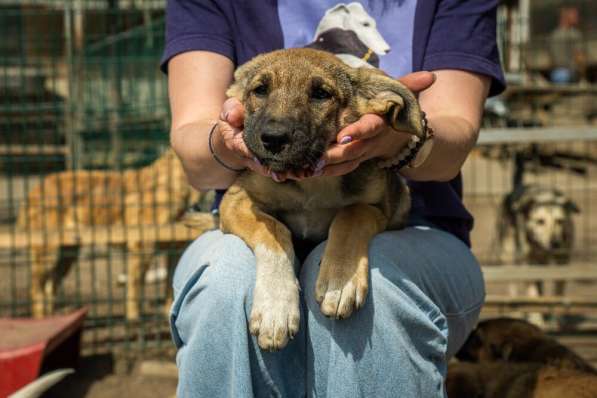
(243, 76)
(380, 94)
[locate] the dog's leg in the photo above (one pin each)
(138, 262)
(534, 290)
(275, 313)
(66, 256)
(43, 263)
(342, 283)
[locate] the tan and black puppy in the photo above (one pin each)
(520, 380)
(516, 340)
(296, 101)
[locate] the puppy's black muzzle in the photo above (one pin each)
(275, 141)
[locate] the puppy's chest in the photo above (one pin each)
(306, 208)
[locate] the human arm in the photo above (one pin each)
(197, 83)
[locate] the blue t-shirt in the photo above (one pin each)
(399, 36)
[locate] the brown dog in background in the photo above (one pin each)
(296, 101)
(517, 380)
(156, 194)
(516, 340)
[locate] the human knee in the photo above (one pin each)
(218, 259)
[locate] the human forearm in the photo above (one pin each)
(454, 137)
(190, 142)
(197, 84)
(454, 108)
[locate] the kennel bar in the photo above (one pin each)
(492, 136)
(499, 305)
(569, 272)
(101, 235)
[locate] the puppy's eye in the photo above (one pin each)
(319, 93)
(366, 24)
(540, 221)
(261, 90)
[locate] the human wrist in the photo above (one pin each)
(221, 153)
(413, 152)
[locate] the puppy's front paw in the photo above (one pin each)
(342, 288)
(275, 314)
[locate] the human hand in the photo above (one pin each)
(230, 133)
(369, 137)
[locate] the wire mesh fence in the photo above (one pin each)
(89, 193)
(90, 196)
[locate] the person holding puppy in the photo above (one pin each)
(426, 288)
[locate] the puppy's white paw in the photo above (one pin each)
(339, 291)
(275, 314)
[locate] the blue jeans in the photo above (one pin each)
(425, 294)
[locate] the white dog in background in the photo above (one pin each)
(353, 18)
(536, 227)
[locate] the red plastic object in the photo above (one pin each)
(25, 343)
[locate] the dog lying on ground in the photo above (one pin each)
(515, 340)
(296, 101)
(156, 194)
(519, 380)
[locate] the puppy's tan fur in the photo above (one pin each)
(280, 89)
(156, 194)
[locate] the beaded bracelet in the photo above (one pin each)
(213, 153)
(410, 150)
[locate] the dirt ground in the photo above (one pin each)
(100, 376)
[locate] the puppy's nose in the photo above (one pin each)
(275, 141)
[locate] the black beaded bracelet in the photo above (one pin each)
(213, 153)
(410, 151)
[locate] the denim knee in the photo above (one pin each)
(215, 275)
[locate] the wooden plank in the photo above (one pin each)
(551, 89)
(526, 135)
(511, 273)
(177, 232)
(556, 305)
(32, 149)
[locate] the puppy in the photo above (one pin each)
(296, 101)
(521, 380)
(515, 340)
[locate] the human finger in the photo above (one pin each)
(418, 81)
(367, 126)
(339, 169)
(233, 112)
